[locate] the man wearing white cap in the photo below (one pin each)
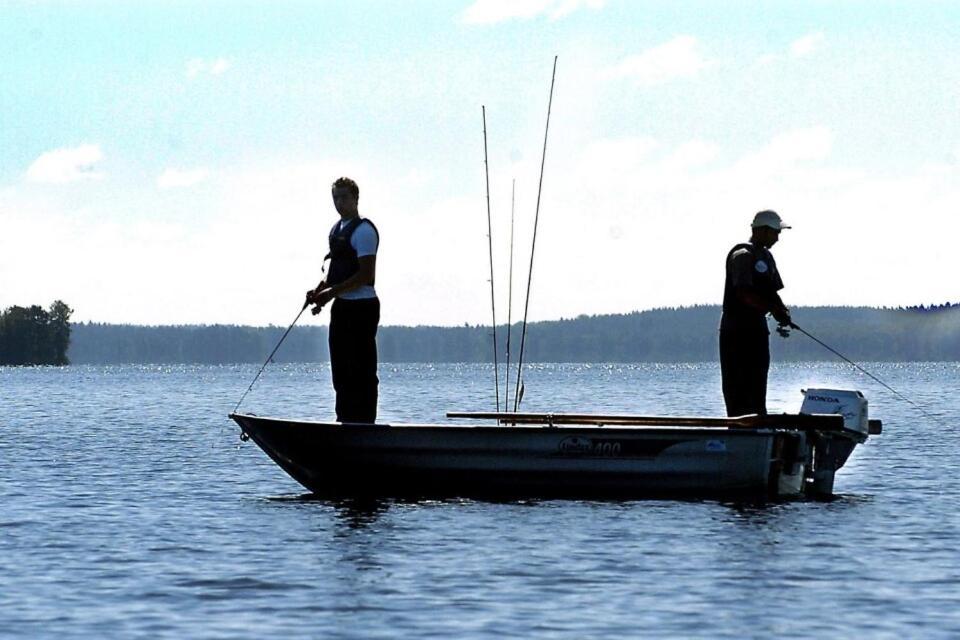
(750, 293)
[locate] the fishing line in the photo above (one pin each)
(860, 368)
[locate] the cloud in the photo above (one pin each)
(175, 178)
(494, 11)
(788, 150)
(199, 66)
(69, 164)
(659, 214)
(807, 44)
(678, 58)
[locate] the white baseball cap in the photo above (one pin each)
(770, 219)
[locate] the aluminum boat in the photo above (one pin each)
(523, 454)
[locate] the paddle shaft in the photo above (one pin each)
(786, 420)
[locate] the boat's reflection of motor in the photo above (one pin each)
(540, 455)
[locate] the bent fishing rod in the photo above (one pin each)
(793, 325)
(518, 394)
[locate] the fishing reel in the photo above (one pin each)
(784, 330)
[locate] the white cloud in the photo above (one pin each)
(800, 48)
(659, 216)
(199, 66)
(174, 178)
(787, 150)
(678, 58)
(69, 164)
(807, 44)
(494, 11)
(693, 154)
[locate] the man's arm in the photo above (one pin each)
(312, 293)
(366, 273)
(747, 294)
(772, 305)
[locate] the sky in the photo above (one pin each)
(170, 162)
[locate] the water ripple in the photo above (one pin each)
(128, 508)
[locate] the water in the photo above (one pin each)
(128, 508)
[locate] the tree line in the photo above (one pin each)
(34, 335)
(685, 334)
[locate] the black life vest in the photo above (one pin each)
(343, 257)
(738, 316)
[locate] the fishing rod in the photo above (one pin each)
(493, 305)
(518, 395)
(270, 357)
(793, 325)
(506, 381)
(323, 271)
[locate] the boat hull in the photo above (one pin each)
(447, 460)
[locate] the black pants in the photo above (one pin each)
(744, 362)
(353, 358)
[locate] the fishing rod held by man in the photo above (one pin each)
(860, 368)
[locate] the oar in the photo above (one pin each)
(818, 422)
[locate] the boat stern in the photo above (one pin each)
(832, 449)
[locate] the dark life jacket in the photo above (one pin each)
(738, 316)
(343, 257)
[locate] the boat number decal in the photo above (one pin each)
(716, 445)
(579, 445)
(607, 448)
(627, 448)
(575, 444)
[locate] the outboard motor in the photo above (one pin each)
(831, 449)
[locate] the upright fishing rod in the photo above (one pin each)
(793, 325)
(506, 377)
(526, 307)
(493, 305)
(270, 357)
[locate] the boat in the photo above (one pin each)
(545, 455)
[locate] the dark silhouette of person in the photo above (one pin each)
(749, 294)
(355, 312)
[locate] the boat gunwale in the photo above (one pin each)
(527, 427)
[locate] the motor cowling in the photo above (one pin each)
(831, 450)
(852, 405)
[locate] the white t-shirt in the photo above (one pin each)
(365, 242)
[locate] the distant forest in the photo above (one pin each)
(661, 335)
(34, 335)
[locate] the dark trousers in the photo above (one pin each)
(744, 362)
(353, 358)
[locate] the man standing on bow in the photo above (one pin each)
(355, 313)
(750, 293)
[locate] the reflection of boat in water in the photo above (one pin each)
(566, 454)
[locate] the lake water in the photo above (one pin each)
(129, 508)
